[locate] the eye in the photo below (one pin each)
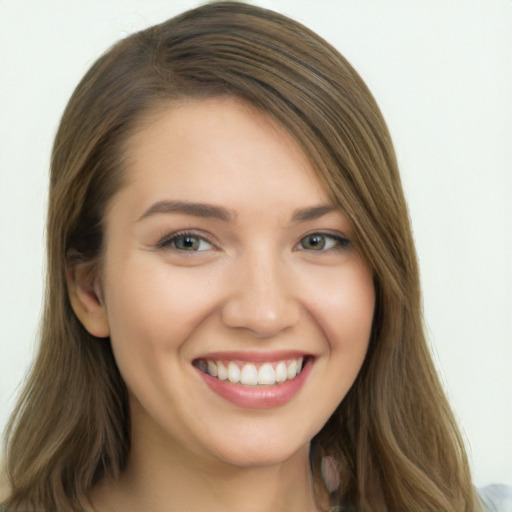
(186, 242)
(323, 242)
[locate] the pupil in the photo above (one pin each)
(315, 242)
(188, 242)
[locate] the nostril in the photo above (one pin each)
(264, 318)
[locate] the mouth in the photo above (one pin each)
(255, 380)
(252, 373)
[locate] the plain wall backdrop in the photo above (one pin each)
(441, 73)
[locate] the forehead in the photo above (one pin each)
(219, 148)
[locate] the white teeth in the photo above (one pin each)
(233, 372)
(212, 368)
(249, 375)
(291, 371)
(222, 372)
(281, 372)
(266, 375)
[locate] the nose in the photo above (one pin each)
(262, 298)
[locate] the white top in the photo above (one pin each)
(497, 498)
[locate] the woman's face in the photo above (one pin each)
(226, 261)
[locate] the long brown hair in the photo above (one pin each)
(393, 436)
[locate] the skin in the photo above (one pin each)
(256, 283)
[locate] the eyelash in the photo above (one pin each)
(169, 242)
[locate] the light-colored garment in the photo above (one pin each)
(497, 498)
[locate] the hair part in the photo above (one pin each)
(393, 436)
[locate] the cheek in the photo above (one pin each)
(342, 304)
(345, 315)
(153, 311)
(154, 306)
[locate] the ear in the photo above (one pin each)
(86, 298)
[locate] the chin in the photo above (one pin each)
(270, 451)
(258, 460)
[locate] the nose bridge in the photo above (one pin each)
(262, 298)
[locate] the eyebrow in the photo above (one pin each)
(219, 212)
(312, 213)
(188, 208)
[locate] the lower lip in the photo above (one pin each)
(258, 397)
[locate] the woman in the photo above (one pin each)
(233, 303)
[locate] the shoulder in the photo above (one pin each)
(497, 498)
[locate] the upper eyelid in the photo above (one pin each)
(327, 233)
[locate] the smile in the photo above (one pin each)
(258, 382)
(252, 374)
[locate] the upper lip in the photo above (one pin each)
(254, 356)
